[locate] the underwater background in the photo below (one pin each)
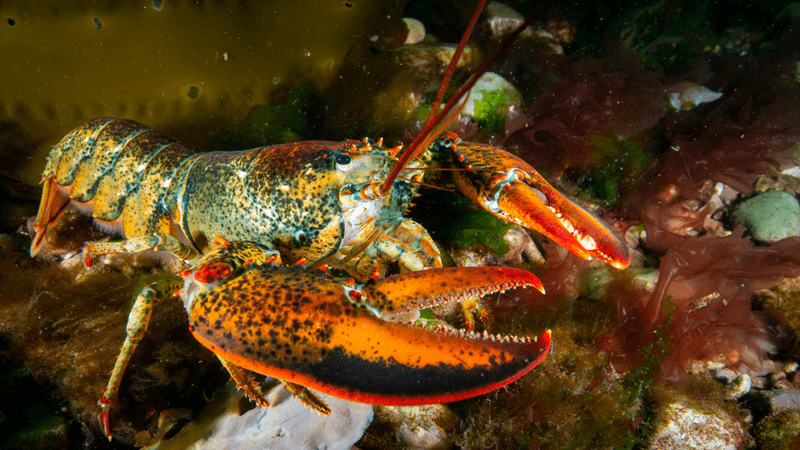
(677, 122)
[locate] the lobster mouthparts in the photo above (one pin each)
(327, 333)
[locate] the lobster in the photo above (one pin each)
(317, 205)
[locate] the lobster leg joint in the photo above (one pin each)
(138, 321)
(155, 242)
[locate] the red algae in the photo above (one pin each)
(706, 283)
(592, 96)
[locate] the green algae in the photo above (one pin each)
(44, 430)
(784, 297)
(490, 111)
(667, 35)
(457, 220)
(571, 401)
(189, 69)
(779, 431)
(290, 120)
(613, 165)
(482, 227)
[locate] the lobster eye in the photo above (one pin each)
(343, 161)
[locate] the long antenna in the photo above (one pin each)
(454, 62)
(416, 147)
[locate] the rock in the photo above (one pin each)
(44, 430)
(594, 284)
(759, 382)
(739, 387)
(421, 438)
(784, 400)
(502, 19)
(685, 96)
(520, 249)
(416, 31)
(779, 431)
(681, 425)
(288, 424)
(419, 427)
(727, 375)
(503, 94)
(770, 216)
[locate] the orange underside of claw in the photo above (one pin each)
(397, 292)
(416, 366)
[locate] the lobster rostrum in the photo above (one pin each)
(314, 204)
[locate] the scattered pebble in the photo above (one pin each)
(740, 386)
(689, 95)
(416, 31)
(502, 19)
(727, 375)
(770, 216)
(491, 82)
(784, 399)
(759, 382)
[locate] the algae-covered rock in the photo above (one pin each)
(424, 427)
(770, 216)
(681, 424)
(45, 431)
(489, 100)
(779, 431)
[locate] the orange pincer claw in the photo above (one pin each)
(541, 207)
(422, 289)
(348, 346)
(514, 191)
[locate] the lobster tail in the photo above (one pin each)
(104, 165)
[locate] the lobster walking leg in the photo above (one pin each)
(138, 321)
(253, 391)
(307, 397)
(243, 381)
(411, 246)
(156, 242)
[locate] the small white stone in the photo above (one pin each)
(416, 31)
(738, 387)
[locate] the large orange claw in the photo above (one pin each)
(511, 189)
(327, 334)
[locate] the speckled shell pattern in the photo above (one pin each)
(122, 167)
(300, 326)
(140, 182)
(284, 196)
